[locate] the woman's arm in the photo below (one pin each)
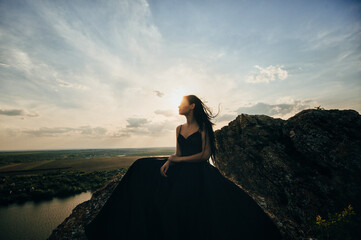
(178, 151)
(198, 157)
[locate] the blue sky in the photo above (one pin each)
(109, 74)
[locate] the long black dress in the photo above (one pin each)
(195, 201)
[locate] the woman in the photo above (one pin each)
(183, 196)
(196, 116)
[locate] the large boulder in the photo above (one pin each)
(307, 165)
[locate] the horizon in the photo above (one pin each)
(65, 149)
(110, 75)
(72, 149)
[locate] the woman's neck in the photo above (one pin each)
(190, 121)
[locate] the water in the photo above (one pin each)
(37, 220)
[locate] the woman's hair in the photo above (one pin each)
(202, 115)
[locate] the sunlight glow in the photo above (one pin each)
(176, 97)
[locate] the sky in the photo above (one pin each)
(111, 74)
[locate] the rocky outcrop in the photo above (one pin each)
(294, 169)
(297, 168)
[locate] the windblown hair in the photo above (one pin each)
(202, 115)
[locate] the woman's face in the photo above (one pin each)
(184, 107)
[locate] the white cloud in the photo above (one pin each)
(35, 70)
(70, 85)
(4, 65)
(225, 117)
(136, 122)
(285, 100)
(144, 128)
(284, 108)
(268, 74)
(166, 113)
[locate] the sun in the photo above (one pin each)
(176, 97)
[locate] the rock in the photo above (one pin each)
(306, 165)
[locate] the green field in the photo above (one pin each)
(86, 165)
(7, 158)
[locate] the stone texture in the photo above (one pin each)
(296, 168)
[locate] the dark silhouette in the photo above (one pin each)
(183, 197)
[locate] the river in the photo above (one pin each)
(36, 221)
